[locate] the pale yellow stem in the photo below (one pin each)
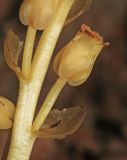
(28, 50)
(48, 103)
(48, 40)
(22, 141)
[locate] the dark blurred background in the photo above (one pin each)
(103, 135)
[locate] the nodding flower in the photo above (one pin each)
(75, 61)
(37, 13)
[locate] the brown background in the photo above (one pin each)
(103, 135)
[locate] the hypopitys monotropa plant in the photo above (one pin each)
(72, 64)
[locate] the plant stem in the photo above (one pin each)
(28, 50)
(22, 140)
(48, 103)
(48, 40)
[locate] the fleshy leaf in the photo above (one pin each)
(78, 8)
(12, 49)
(7, 109)
(61, 123)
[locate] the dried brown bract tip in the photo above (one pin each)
(86, 29)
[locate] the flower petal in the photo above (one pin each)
(37, 13)
(5, 123)
(7, 107)
(61, 123)
(57, 61)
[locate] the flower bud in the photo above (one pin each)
(37, 13)
(7, 110)
(75, 61)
